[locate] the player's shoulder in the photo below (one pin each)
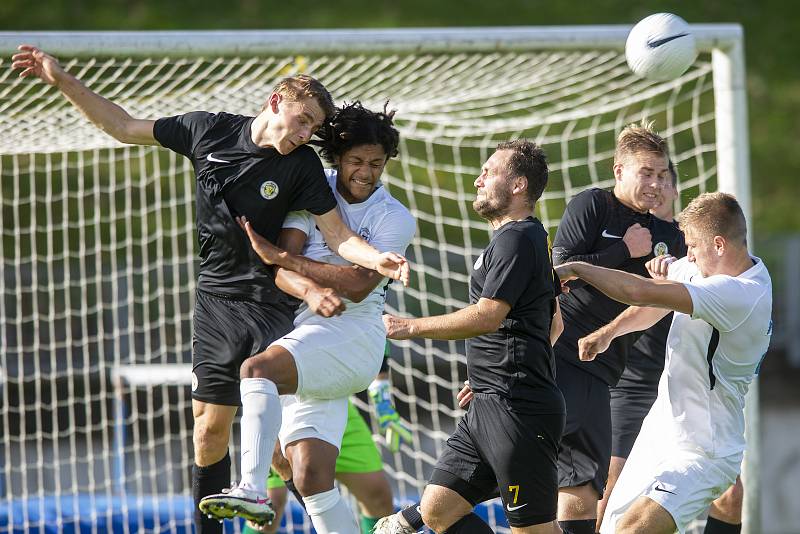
(524, 235)
(593, 200)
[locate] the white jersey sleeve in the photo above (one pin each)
(300, 220)
(724, 302)
(394, 232)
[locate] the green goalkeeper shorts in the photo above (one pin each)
(358, 453)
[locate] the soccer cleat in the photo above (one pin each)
(392, 524)
(238, 502)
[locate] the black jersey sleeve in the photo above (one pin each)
(577, 233)
(314, 193)
(511, 260)
(181, 133)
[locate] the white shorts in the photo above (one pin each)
(337, 356)
(683, 482)
(305, 418)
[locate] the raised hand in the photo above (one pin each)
(388, 418)
(34, 62)
(265, 250)
(658, 267)
(638, 240)
(394, 266)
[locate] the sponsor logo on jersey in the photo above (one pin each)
(269, 190)
(212, 159)
(194, 381)
(512, 508)
(660, 249)
(610, 236)
(478, 262)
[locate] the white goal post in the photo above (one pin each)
(98, 247)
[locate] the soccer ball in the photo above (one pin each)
(660, 47)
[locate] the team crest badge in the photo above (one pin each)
(364, 233)
(269, 190)
(660, 249)
(478, 263)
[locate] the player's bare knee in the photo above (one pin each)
(258, 366)
(311, 478)
(432, 516)
(210, 440)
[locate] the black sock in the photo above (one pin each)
(207, 481)
(717, 526)
(291, 487)
(578, 526)
(413, 516)
(469, 524)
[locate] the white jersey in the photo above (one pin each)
(380, 220)
(712, 356)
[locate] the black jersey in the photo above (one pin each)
(237, 177)
(516, 361)
(646, 358)
(591, 230)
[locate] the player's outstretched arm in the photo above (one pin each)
(629, 288)
(633, 319)
(483, 317)
(351, 247)
(103, 113)
(299, 272)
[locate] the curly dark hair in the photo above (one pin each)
(354, 125)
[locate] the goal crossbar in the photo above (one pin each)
(419, 40)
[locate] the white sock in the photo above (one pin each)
(330, 513)
(261, 421)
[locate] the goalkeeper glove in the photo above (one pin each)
(388, 418)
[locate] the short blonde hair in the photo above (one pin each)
(636, 138)
(715, 214)
(301, 86)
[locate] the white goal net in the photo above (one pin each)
(98, 252)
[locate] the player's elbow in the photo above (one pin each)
(488, 323)
(357, 295)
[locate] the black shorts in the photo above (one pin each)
(586, 445)
(495, 446)
(226, 332)
(630, 402)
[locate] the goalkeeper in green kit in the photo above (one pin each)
(359, 466)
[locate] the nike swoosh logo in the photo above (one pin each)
(659, 488)
(610, 236)
(512, 508)
(665, 40)
(212, 159)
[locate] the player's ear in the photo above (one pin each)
(719, 244)
(618, 171)
(274, 100)
(520, 185)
